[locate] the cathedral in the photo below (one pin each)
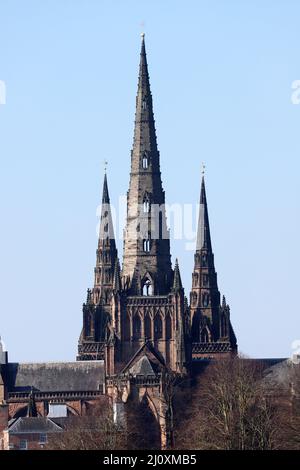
(143, 304)
(138, 325)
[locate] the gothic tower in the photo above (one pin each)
(147, 261)
(143, 307)
(144, 304)
(154, 294)
(97, 312)
(211, 329)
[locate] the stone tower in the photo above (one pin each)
(97, 314)
(153, 293)
(147, 260)
(144, 303)
(211, 330)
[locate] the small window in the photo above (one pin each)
(137, 327)
(146, 206)
(145, 161)
(158, 331)
(204, 337)
(205, 280)
(144, 104)
(147, 327)
(205, 300)
(147, 288)
(23, 444)
(146, 246)
(57, 410)
(43, 439)
(204, 260)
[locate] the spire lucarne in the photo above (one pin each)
(146, 240)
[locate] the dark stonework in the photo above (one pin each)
(145, 300)
(212, 333)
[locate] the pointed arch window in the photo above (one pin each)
(146, 203)
(205, 280)
(204, 260)
(147, 327)
(88, 324)
(145, 161)
(147, 288)
(205, 300)
(158, 330)
(137, 327)
(223, 326)
(168, 327)
(144, 105)
(204, 336)
(127, 328)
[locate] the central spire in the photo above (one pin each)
(146, 240)
(203, 235)
(144, 130)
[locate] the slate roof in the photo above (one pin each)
(55, 376)
(142, 367)
(146, 361)
(33, 426)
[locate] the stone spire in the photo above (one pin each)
(106, 251)
(146, 238)
(203, 234)
(205, 296)
(177, 284)
(117, 277)
(144, 130)
(97, 310)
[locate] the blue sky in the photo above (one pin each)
(221, 76)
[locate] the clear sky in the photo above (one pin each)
(221, 76)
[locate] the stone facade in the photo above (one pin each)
(139, 333)
(145, 300)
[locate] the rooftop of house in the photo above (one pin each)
(37, 425)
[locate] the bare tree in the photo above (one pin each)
(90, 432)
(229, 409)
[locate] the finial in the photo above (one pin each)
(203, 169)
(105, 163)
(142, 25)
